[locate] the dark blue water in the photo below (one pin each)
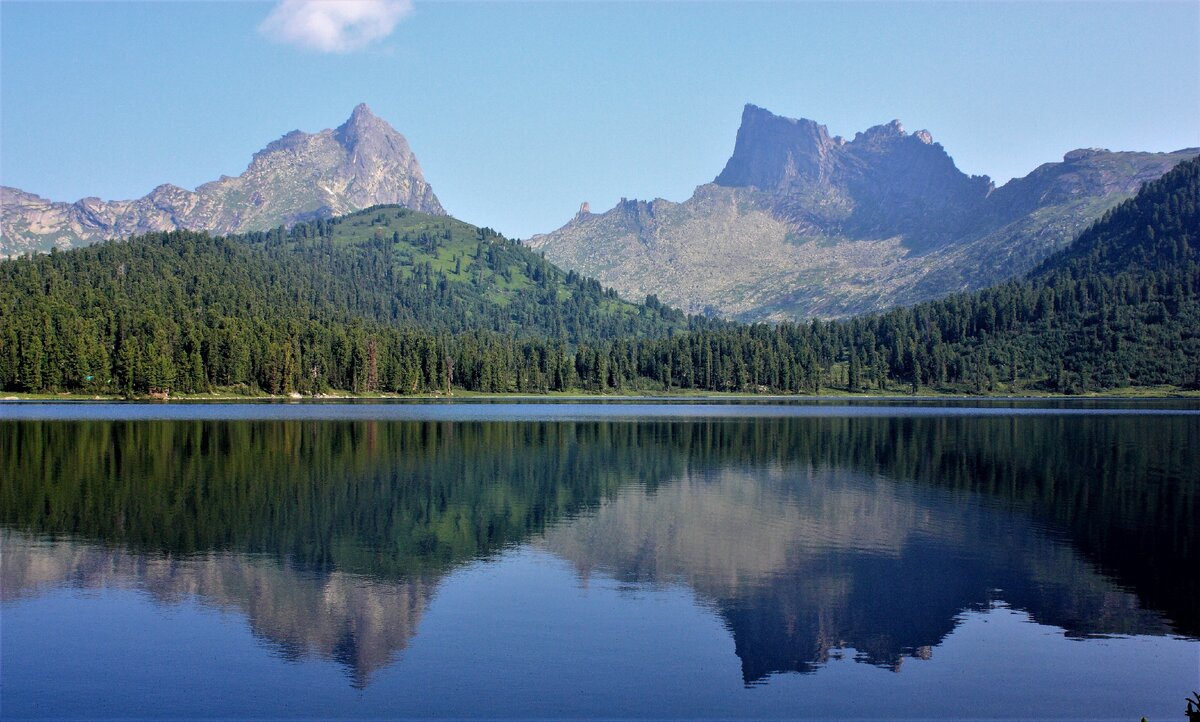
(845, 561)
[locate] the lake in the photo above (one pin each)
(820, 559)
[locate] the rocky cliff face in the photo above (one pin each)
(299, 177)
(883, 182)
(776, 153)
(802, 224)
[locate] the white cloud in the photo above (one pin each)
(333, 26)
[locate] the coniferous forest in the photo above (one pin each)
(391, 300)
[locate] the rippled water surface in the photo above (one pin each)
(681, 560)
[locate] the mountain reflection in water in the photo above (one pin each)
(806, 535)
(802, 563)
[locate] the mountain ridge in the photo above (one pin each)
(297, 177)
(803, 224)
(389, 299)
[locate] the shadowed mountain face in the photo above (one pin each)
(302, 176)
(800, 223)
(808, 536)
(882, 183)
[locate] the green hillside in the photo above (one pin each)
(382, 300)
(446, 274)
(1120, 306)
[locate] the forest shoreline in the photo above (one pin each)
(1132, 392)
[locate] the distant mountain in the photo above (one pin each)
(800, 223)
(1119, 307)
(301, 176)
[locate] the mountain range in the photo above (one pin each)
(299, 177)
(389, 300)
(798, 224)
(801, 224)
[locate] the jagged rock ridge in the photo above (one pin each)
(301, 176)
(800, 223)
(884, 181)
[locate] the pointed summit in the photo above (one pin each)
(382, 167)
(363, 123)
(361, 118)
(300, 176)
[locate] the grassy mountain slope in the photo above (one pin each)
(448, 274)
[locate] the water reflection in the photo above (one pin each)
(807, 535)
(805, 563)
(357, 621)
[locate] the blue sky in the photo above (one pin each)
(520, 111)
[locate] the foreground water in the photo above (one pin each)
(815, 560)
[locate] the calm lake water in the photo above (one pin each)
(669, 560)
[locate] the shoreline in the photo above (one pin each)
(1148, 393)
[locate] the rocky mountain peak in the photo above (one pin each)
(799, 223)
(887, 131)
(363, 125)
(1083, 153)
(883, 182)
(300, 176)
(379, 159)
(772, 151)
(362, 113)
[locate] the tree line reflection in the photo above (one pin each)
(809, 535)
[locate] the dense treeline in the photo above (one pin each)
(314, 308)
(391, 300)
